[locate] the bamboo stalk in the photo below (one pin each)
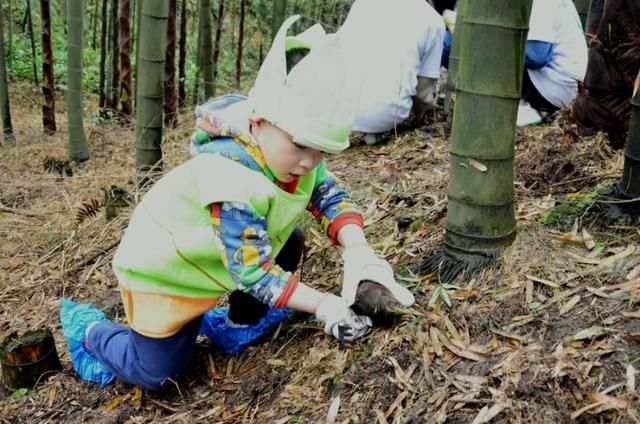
(454, 60)
(78, 149)
(630, 183)
(149, 104)
(480, 217)
(5, 108)
(206, 48)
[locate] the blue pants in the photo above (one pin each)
(141, 360)
(150, 363)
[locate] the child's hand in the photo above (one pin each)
(360, 264)
(340, 320)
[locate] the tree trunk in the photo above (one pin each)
(25, 19)
(170, 100)
(240, 41)
(48, 85)
(182, 92)
(454, 60)
(480, 216)
(630, 183)
(595, 16)
(137, 23)
(115, 57)
(102, 98)
(5, 109)
(206, 48)
(279, 12)
(94, 24)
(602, 103)
(33, 44)
(125, 57)
(109, 60)
(10, 33)
(198, 70)
(78, 149)
(216, 44)
(582, 6)
(151, 56)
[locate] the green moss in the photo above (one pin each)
(565, 212)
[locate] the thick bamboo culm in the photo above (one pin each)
(5, 109)
(454, 60)
(480, 217)
(582, 6)
(630, 183)
(150, 91)
(78, 149)
(206, 48)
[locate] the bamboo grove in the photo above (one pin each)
(97, 48)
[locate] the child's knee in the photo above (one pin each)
(154, 383)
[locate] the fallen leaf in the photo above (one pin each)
(545, 282)
(569, 305)
(52, 396)
(611, 402)
(137, 396)
(596, 250)
(631, 379)
(634, 314)
(333, 410)
(486, 414)
(113, 404)
(582, 410)
(611, 260)
(18, 393)
(634, 273)
(396, 403)
(591, 332)
(588, 240)
(276, 362)
(463, 353)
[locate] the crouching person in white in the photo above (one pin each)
(399, 43)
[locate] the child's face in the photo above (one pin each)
(287, 160)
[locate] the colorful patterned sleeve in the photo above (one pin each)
(245, 249)
(331, 205)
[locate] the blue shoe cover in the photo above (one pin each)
(232, 338)
(75, 318)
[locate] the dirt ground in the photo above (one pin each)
(551, 335)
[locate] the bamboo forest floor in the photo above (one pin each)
(549, 336)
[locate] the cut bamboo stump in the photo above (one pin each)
(25, 359)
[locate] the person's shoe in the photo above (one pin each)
(527, 115)
(77, 319)
(372, 139)
(233, 338)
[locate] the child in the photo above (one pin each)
(215, 223)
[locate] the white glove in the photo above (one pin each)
(449, 18)
(340, 320)
(361, 263)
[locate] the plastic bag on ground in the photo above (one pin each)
(232, 338)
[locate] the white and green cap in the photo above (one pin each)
(316, 101)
